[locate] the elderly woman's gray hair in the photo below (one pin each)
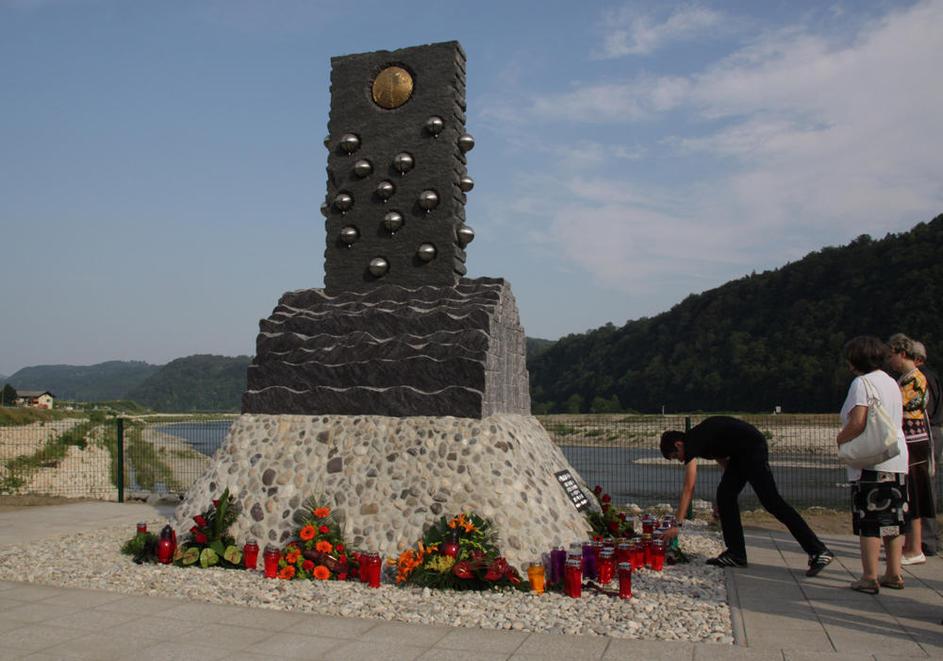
(898, 342)
(920, 351)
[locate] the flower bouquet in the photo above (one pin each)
(609, 521)
(318, 552)
(458, 553)
(209, 542)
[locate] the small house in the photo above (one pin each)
(37, 399)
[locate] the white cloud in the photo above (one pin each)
(794, 141)
(634, 30)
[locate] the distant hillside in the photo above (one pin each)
(536, 346)
(195, 383)
(3, 379)
(760, 341)
(89, 383)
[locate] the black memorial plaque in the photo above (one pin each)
(395, 188)
(572, 489)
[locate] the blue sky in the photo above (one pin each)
(161, 165)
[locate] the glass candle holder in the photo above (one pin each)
(638, 554)
(270, 558)
(607, 566)
(557, 563)
(142, 528)
(625, 580)
(250, 555)
(624, 552)
(536, 576)
(589, 561)
(647, 550)
(374, 569)
(658, 555)
(573, 579)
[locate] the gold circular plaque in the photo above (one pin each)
(392, 87)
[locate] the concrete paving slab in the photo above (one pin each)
(402, 633)
(482, 640)
(36, 637)
(360, 650)
(97, 647)
(225, 636)
(290, 645)
(463, 655)
(553, 646)
(650, 650)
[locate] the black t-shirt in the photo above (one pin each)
(721, 436)
(934, 410)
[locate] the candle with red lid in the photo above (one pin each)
(270, 558)
(625, 580)
(250, 555)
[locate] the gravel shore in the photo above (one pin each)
(684, 602)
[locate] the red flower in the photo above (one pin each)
(462, 569)
(307, 565)
(322, 573)
(199, 537)
(606, 498)
(342, 558)
(200, 521)
(306, 533)
(339, 548)
(342, 576)
(324, 530)
(597, 489)
(621, 516)
(216, 504)
(613, 526)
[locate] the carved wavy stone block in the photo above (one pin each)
(394, 351)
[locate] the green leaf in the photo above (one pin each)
(217, 546)
(190, 556)
(208, 558)
(233, 555)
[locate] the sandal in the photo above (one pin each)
(892, 582)
(868, 586)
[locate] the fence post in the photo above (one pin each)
(690, 513)
(120, 458)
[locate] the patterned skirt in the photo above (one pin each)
(919, 484)
(879, 504)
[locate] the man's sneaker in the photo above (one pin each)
(727, 559)
(819, 561)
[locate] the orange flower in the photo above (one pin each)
(308, 532)
(292, 557)
(322, 573)
(287, 573)
(321, 512)
(324, 546)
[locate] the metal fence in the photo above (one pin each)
(80, 457)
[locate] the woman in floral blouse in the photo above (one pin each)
(913, 388)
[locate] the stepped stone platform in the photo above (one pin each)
(392, 351)
(388, 478)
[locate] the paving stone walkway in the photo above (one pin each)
(778, 614)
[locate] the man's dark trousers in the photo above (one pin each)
(753, 467)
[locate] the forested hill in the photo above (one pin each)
(195, 383)
(760, 341)
(90, 383)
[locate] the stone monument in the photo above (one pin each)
(399, 392)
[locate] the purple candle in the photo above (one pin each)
(589, 561)
(557, 563)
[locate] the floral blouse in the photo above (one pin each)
(913, 390)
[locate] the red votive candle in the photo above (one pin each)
(573, 579)
(638, 554)
(623, 552)
(250, 555)
(607, 565)
(658, 555)
(625, 580)
(648, 524)
(142, 528)
(647, 550)
(270, 558)
(374, 567)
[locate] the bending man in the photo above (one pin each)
(740, 448)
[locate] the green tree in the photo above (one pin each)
(7, 395)
(573, 404)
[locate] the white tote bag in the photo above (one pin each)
(878, 441)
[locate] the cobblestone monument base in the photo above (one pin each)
(388, 478)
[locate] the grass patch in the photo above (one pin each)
(15, 416)
(149, 468)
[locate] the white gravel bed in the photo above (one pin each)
(684, 602)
